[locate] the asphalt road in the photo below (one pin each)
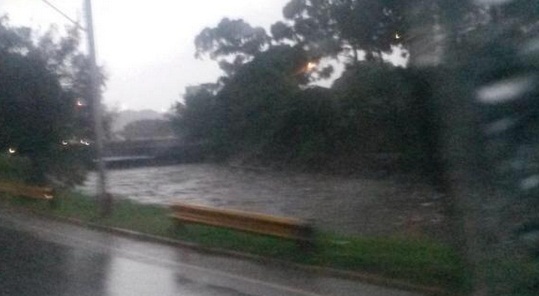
(43, 257)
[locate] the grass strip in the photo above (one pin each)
(416, 261)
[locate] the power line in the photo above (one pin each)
(64, 14)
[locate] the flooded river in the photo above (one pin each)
(350, 205)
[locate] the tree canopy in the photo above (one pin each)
(44, 102)
(331, 27)
(231, 43)
(265, 92)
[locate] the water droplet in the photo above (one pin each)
(505, 90)
(492, 2)
(517, 165)
(530, 182)
(499, 126)
(531, 47)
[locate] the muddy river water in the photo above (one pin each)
(350, 205)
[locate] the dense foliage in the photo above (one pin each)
(147, 129)
(45, 111)
(265, 110)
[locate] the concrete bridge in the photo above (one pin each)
(147, 152)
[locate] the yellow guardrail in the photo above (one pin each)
(282, 227)
(18, 189)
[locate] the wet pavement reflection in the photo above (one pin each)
(35, 267)
(42, 257)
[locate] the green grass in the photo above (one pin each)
(512, 278)
(417, 261)
(14, 168)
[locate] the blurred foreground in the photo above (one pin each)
(71, 260)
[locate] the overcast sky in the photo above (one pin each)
(147, 47)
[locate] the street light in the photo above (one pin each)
(310, 66)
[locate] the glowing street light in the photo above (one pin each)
(397, 36)
(12, 150)
(310, 66)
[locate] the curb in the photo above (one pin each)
(343, 274)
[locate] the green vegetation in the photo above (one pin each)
(13, 168)
(45, 112)
(463, 113)
(475, 108)
(519, 277)
(147, 129)
(266, 110)
(416, 261)
(372, 108)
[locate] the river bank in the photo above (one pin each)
(343, 204)
(410, 261)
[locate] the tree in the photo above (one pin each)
(246, 110)
(264, 82)
(333, 27)
(307, 129)
(231, 43)
(147, 129)
(200, 117)
(256, 96)
(375, 104)
(42, 93)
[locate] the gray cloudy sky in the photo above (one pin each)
(147, 46)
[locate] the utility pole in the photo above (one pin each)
(104, 199)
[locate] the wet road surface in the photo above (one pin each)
(43, 257)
